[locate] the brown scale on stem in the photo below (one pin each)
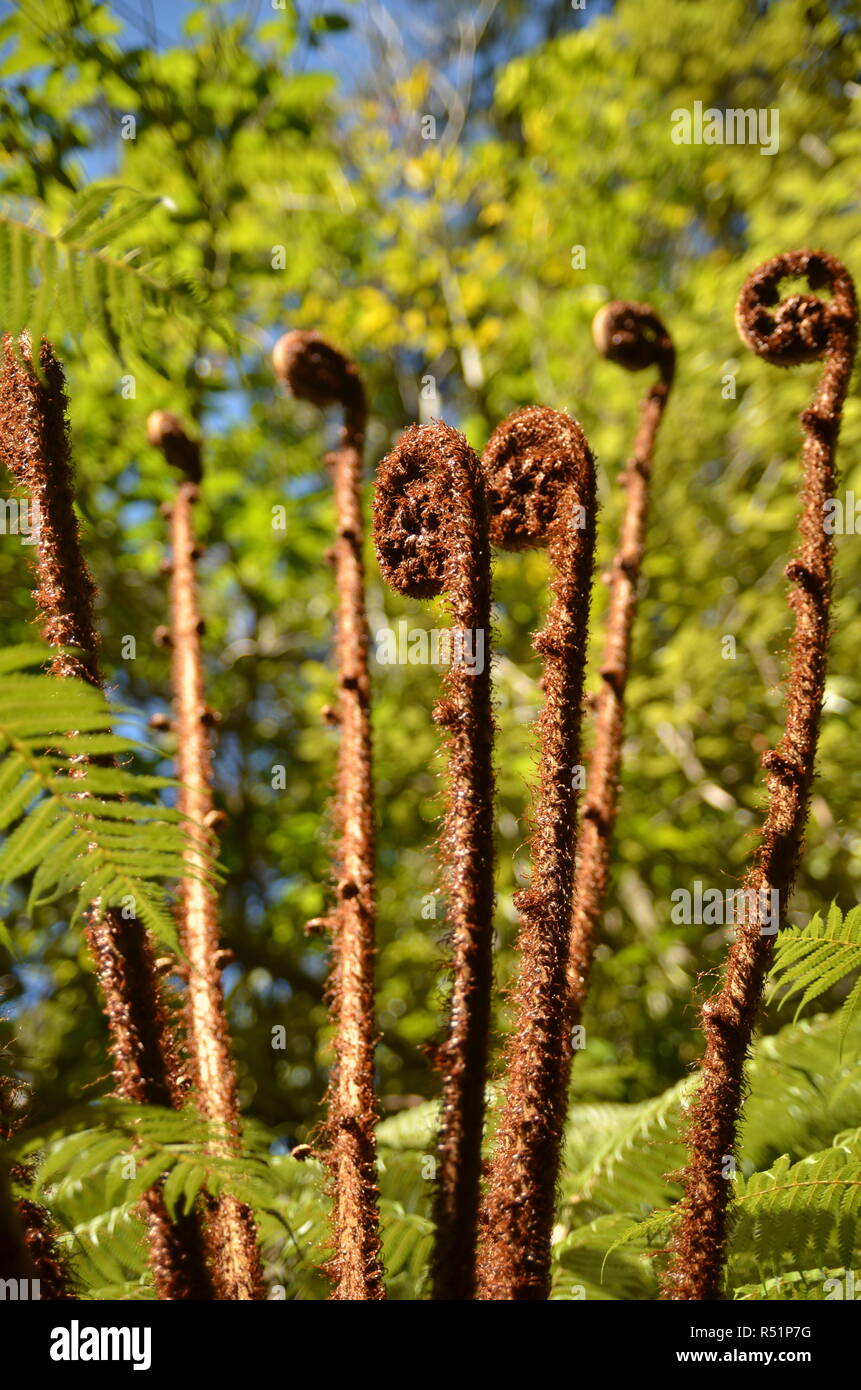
(540, 482)
(633, 336)
(786, 332)
(313, 370)
(34, 442)
(430, 530)
(230, 1235)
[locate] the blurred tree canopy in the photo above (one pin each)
(460, 259)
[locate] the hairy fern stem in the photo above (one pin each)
(633, 336)
(430, 530)
(34, 439)
(786, 332)
(313, 370)
(540, 482)
(230, 1232)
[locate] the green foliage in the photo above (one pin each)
(795, 1214)
(73, 824)
(796, 1193)
(812, 959)
(77, 278)
(96, 1162)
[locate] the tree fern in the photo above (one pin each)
(79, 830)
(785, 1220)
(795, 1209)
(812, 959)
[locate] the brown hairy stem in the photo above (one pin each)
(41, 1242)
(430, 530)
(16, 1259)
(34, 441)
(800, 328)
(540, 481)
(313, 370)
(633, 336)
(230, 1232)
(29, 1246)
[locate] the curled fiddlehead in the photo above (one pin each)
(786, 332)
(430, 531)
(313, 370)
(633, 336)
(540, 482)
(230, 1233)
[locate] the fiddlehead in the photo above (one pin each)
(315, 371)
(633, 336)
(430, 531)
(540, 481)
(800, 328)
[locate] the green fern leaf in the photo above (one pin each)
(795, 1215)
(108, 846)
(812, 959)
(78, 277)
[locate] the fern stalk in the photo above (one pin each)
(28, 1237)
(16, 1261)
(313, 370)
(540, 482)
(41, 1244)
(430, 530)
(34, 440)
(230, 1233)
(800, 328)
(633, 336)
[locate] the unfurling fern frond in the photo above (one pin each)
(78, 277)
(812, 959)
(77, 826)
